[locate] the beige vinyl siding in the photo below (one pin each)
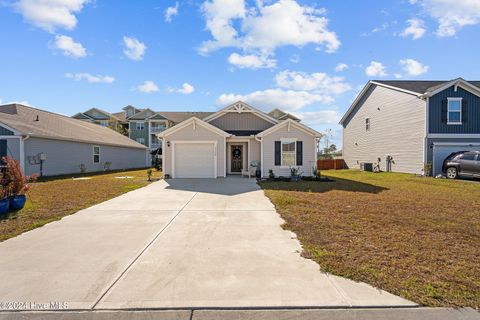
(200, 133)
(397, 128)
(309, 147)
(241, 121)
(254, 150)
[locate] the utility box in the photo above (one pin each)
(366, 166)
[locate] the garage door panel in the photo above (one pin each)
(441, 152)
(194, 160)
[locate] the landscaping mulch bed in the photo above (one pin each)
(417, 238)
(52, 198)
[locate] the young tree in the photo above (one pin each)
(115, 125)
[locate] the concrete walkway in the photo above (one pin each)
(173, 244)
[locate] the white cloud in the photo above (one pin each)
(413, 67)
(69, 47)
(376, 69)
(341, 67)
(317, 81)
(133, 48)
(90, 78)
(219, 16)
(452, 15)
(186, 88)
(316, 118)
(288, 100)
(295, 58)
(416, 29)
(398, 76)
(264, 28)
(148, 87)
(251, 61)
(50, 14)
(171, 12)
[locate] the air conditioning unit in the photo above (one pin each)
(366, 166)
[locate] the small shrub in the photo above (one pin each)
(107, 165)
(149, 174)
(427, 169)
(271, 175)
(294, 172)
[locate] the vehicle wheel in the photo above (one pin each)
(452, 173)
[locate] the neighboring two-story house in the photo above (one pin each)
(141, 125)
(404, 125)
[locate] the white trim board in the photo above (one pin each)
(194, 121)
(453, 144)
(290, 123)
(365, 89)
(459, 82)
(246, 109)
(454, 135)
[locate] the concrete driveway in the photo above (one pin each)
(173, 244)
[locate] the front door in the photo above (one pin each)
(237, 158)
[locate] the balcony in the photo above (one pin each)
(157, 129)
(155, 145)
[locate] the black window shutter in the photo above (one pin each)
(299, 153)
(444, 110)
(464, 110)
(278, 153)
(3, 148)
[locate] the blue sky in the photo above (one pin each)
(310, 58)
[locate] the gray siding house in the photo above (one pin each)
(407, 124)
(52, 144)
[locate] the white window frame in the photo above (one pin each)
(96, 154)
(140, 140)
(104, 123)
(142, 125)
(288, 140)
(367, 124)
(448, 110)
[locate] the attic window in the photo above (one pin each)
(454, 111)
(367, 124)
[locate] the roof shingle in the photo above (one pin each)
(40, 123)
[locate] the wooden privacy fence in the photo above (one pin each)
(334, 164)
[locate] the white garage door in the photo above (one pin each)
(440, 152)
(194, 160)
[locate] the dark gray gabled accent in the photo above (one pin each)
(299, 153)
(278, 153)
(470, 112)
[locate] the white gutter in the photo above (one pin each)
(22, 152)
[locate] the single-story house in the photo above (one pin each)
(238, 139)
(409, 125)
(52, 144)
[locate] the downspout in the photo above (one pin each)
(261, 155)
(22, 151)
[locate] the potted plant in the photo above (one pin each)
(4, 202)
(18, 183)
(295, 174)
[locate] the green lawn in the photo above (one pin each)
(56, 197)
(415, 237)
